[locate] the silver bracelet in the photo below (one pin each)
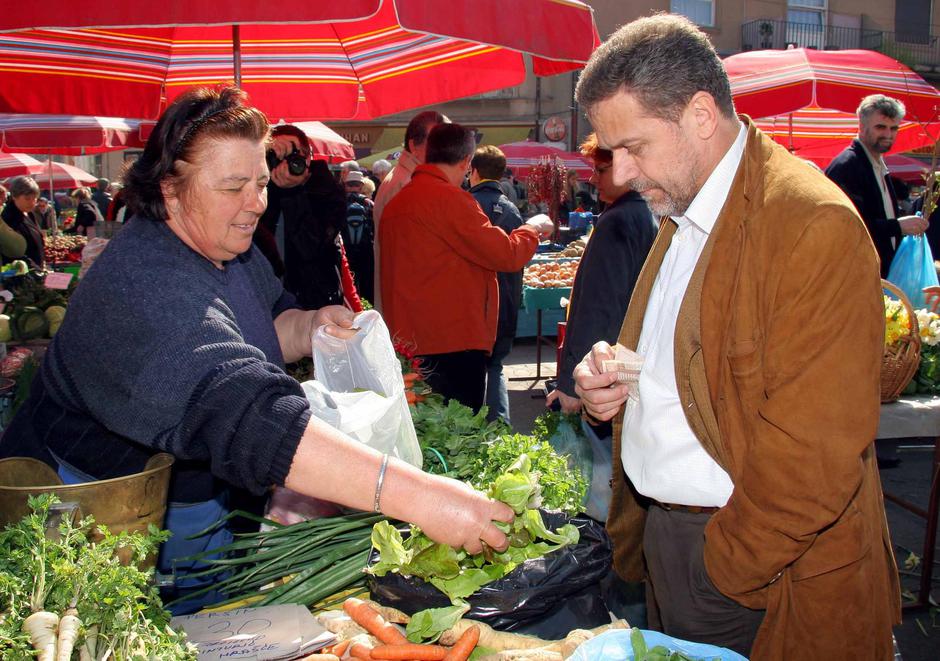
(379, 483)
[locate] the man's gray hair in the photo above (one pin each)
(664, 60)
(381, 168)
(887, 106)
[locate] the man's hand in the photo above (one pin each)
(600, 393)
(568, 403)
(932, 298)
(281, 176)
(913, 224)
(542, 224)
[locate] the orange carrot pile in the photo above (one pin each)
(369, 619)
(395, 647)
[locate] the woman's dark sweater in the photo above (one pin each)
(161, 351)
(28, 229)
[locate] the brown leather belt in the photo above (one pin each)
(693, 509)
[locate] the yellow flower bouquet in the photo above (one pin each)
(901, 355)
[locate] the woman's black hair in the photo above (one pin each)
(200, 113)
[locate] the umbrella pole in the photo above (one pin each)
(237, 54)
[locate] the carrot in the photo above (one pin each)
(411, 397)
(409, 652)
(340, 648)
(360, 651)
(464, 645)
(365, 616)
(410, 378)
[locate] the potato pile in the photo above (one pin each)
(574, 249)
(550, 274)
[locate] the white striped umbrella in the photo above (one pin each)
(524, 155)
(14, 165)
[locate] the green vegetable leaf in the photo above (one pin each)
(435, 560)
(392, 553)
(638, 643)
(429, 624)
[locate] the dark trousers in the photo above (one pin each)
(687, 604)
(459, 375)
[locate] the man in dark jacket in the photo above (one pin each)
(299, 228)
(861, 173)
(486, 168)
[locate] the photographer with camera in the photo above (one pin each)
(299, 232)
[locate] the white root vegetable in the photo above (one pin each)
(337, 622)
(537, 654)
(492, 639)
(90, 646)
(390, 614)
(69, 626)
(41, 627)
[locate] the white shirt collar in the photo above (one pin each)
(707, 204)
(877, 160)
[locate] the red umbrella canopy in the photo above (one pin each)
(14, 165)
(818, 135)
(522, 156)
(70, 134)
(906, 168)
(775, 82)
(326, 143)
(404, 54)
(63, 174)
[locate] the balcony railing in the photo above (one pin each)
(918, 51)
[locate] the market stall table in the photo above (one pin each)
(918, 417)
(538, 300)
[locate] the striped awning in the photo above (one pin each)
(404, 55)
(775, 82)
(522, 156)
(818, 134)
(70, 134)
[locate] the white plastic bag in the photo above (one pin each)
(90, 252)
(358, 388)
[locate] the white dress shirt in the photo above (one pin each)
(660, 453)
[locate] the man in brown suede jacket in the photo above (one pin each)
(745, 484)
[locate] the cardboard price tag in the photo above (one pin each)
(58, 280)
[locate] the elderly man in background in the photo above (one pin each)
(745, 485)
(861, 173)
(380, 170)
(412, 156)
(440, 255)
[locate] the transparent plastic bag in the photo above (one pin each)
(358, 388)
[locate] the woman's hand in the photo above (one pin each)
(336, 321)
(932, 298)
(458, 515)
(599, 391)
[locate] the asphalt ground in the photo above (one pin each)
(907, 474)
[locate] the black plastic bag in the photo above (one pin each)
(546, 597)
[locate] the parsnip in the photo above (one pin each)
(69, 627)
(41, 627)
(492, 639)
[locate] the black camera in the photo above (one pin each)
(296, 161)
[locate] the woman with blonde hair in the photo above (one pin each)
(86, 214)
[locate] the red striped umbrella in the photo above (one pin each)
(70, 134)
(14, 165)
(522, 156)
(326, 143)
(63, 175)
(775, 82)
(818, 135)
(403, 54)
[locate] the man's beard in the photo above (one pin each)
(673, 202)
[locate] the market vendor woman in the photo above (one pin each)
(176, 342)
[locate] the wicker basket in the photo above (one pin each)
(900, 360)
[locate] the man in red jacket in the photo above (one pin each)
(439, 258)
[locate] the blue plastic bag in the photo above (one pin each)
(616, 645)
(912, 269)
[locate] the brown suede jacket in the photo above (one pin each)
(778, 355)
